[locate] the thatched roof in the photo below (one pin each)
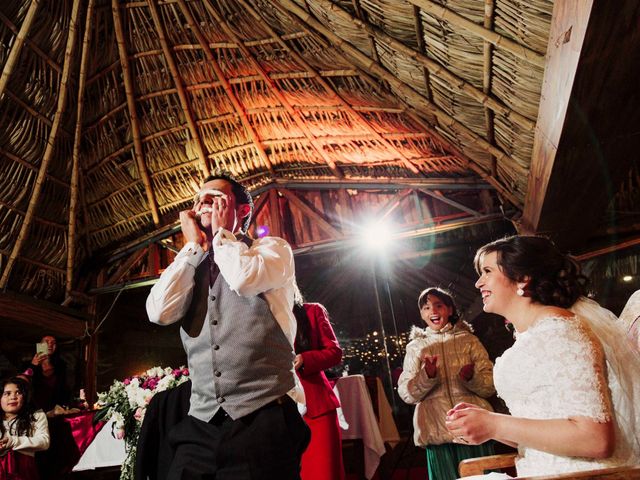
(111, 112)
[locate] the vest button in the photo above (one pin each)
(215, 322)
(216, 347)
(220, 399)
(217, 373)
(213, 297)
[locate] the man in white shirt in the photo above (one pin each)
(234, 298)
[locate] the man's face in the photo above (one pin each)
(216, 198)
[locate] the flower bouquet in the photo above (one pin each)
(126, 403)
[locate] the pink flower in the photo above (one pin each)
(185, 371)
(139, 413)
(119, 433)
(127, 381)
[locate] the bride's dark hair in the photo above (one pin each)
(554, 278)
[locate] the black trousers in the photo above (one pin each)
(264, 445)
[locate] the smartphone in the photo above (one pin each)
(42, 347)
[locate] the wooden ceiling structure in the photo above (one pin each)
(454, 112)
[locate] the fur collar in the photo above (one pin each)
(460, 327)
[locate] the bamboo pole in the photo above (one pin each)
(14, 54)
(182, 95)
(487, 51)
(133, 115)
(495, 39)
(73, 203)
(48, 153)
(355, 114)
(226, 86)
(295, 115)
(455, 82)
(367, 65)
(9, 24)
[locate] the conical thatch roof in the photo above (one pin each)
(111, 112)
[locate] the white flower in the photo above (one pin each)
(164, 383)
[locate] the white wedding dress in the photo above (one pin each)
(580, 366)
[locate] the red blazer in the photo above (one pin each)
(325, 353)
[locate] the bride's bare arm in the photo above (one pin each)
(573, 437)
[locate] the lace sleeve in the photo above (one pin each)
(575, 364)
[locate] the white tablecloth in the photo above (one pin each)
(362, 423)
(104, 451)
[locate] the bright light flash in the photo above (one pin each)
(376, 236)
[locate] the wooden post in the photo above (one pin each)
(90, 356)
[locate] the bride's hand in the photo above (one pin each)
(470, 424)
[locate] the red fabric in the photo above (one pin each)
(17, 466)
(83, 430)
(322, 460)
(325, 353)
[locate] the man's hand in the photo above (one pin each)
(191, 229)
(466, 372)
(220, 215)
(3, 444)
(430, 365)
(298, 362)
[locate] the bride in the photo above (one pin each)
(568, 378)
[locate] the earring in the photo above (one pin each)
(520, 292)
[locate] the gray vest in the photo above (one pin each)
(239, 358)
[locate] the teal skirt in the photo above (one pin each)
(443, 460)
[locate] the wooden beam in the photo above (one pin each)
(237, 105)
(497, 40)
(586, 138)
(295, 114)
(133, 114)
(16, 48)
(127, 265)
(388, 208)
(439, 196)
(75, 158)
(51, 318)
(322, 224)
(177, 80)
(48, 153)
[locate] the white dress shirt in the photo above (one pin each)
(266, 267)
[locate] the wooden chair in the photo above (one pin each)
(479, 465)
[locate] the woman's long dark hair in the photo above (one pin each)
(553, 277)
(22, 424)
(303, 332)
